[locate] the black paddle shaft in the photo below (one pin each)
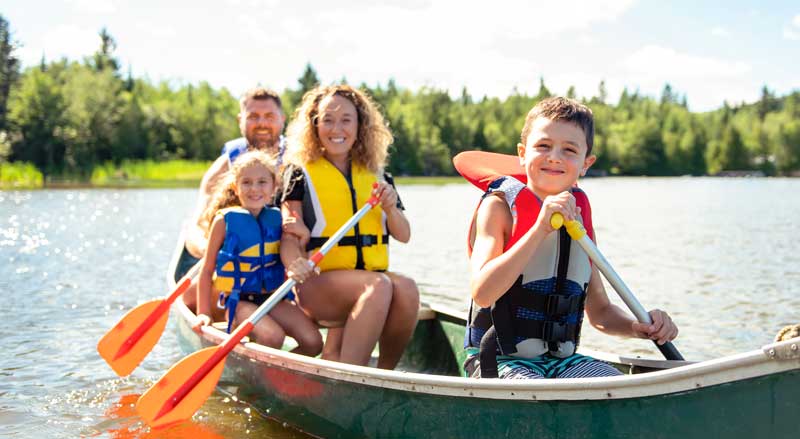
(669, 351)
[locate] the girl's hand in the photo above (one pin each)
(563, 203)
(200, 321)
(387, 196)
(662, 329)
(300, 270)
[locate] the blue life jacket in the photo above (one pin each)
(236, 147)
(249, 259)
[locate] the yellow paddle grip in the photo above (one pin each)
(574, 228)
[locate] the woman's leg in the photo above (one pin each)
(333, 344)
(359, 297)
(400, 322)
(298, 326)
(266, 332)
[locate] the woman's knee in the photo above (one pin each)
(380, 289)
(405, 294)
(310, 342)
(271, 338)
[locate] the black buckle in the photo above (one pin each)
(368, 240)
(554, 331)
(558, 305)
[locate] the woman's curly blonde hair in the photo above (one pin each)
(225, 191)
(372, 142)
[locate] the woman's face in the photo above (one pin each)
(337, 126)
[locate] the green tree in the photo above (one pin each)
(727, 153)
(103, 58)
(36, 110)
(544, 92)
(9, 68)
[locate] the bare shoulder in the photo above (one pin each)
(493, 214)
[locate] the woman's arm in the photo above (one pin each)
(396, 221)
(293, 253)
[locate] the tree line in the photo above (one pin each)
(68, 117)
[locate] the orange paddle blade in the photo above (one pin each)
(126, 344)
(158, 407)
(481, 167)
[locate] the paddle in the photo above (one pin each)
(578, 234)
(186, 386)
(126, 344)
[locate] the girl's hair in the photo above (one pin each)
(372, 142)
(224, 192)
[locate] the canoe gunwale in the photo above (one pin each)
(690, 377)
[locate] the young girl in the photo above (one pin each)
(242, 257)
(337, 148)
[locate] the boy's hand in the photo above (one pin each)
(300, 271)
(563, 203)
(386, 195)
(662, 329)
(200, 321)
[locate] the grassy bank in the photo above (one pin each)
(149, 173)
(19, 175)
(142, 174)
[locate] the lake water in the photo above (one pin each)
(719, 254)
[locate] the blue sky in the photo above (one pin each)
(712, 51)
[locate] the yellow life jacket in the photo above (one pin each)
(334, 200)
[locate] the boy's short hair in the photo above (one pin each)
(562, 109)
(259, 94)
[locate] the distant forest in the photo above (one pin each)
(68, 117)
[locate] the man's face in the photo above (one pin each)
(261, 123)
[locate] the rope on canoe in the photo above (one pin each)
(788, 332)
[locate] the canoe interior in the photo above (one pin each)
(436, 348)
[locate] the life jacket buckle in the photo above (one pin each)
(368, 240)
(560, 305)
(554, 331)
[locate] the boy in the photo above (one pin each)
(530, 286)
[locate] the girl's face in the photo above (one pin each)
(337, 126)
(254, 187)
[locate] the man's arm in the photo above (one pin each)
(195, 233)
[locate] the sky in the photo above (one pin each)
(711, 51)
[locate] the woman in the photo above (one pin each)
(337, 150)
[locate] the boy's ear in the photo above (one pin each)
(521, 153)
(587, 163)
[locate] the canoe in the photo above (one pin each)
(749, 395)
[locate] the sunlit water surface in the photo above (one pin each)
(719, 254)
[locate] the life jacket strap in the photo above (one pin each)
(362, 240)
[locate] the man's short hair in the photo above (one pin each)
(562, 109)
(259, 94)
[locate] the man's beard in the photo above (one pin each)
(263, 144)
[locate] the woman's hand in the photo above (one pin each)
(300, 270)
(386, 195)
(662, 329)
(297, 228)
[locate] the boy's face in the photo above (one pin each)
(554, 156)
